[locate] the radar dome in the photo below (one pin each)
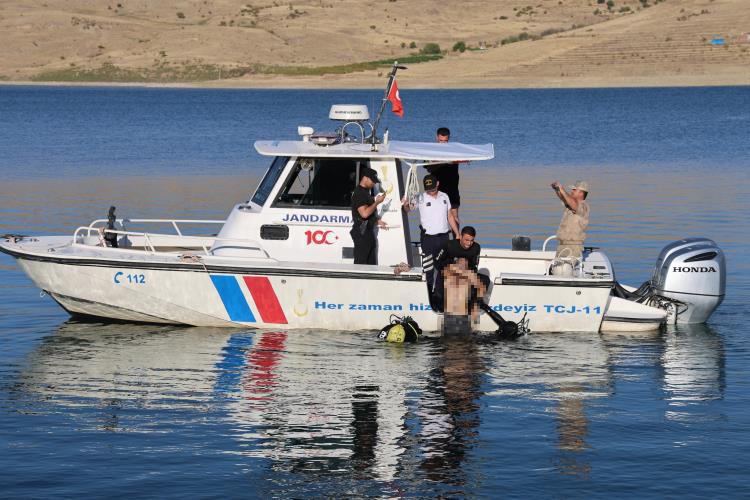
(349, 112)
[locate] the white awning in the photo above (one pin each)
(444, 151)
(415, 151)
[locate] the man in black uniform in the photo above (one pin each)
(463, 248)
(364, 208)
(447, 175)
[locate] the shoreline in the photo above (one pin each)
(354, 82)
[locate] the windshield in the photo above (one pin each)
(320, 182)
(269, 181)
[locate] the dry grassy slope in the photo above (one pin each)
(668, 41)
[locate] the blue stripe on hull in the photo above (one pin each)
(234, 302)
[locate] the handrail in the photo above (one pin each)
(148, 237)
(165, 221)
(544, 245)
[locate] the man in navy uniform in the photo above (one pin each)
(437, 224)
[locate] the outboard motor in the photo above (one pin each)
(691, 275)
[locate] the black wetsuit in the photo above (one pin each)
(363, 230)
(453, 250)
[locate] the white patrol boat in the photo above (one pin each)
(284, 257)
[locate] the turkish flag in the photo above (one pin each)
(396, 105)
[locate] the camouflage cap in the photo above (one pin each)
(581, 186)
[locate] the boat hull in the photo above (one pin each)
(629, 316)
(279, 298)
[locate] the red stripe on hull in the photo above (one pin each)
(265, 299)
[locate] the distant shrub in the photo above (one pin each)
(551, 31)
(181, 15)
(459, 47)
(431, 48)
(625, 9)
(413, 45)
(521, 37)
(610, 4)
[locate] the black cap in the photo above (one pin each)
(370, 174)
(430, 182)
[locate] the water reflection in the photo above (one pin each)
(566, 372)
(690, 360)
(149, 365)
(339, 404)
(693, 362)
(449, 412)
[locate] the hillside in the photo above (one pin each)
(338, 43)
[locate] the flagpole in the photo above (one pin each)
(391, 78)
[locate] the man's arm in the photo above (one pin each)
(452, 222)
(477, 249)
(567, 200)
(407, 205)
(366, 211)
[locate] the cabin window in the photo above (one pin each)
(320, 182)
(269, 181)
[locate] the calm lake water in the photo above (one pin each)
(117, 410)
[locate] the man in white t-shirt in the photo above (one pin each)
(436, 221)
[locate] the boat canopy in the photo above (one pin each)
(414, 151)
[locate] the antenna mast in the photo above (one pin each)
(391, 77)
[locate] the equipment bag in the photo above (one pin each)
(400, 330)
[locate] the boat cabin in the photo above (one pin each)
(301, 210)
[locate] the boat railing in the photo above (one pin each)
(150, 240)
(544, 245)
(173, 222)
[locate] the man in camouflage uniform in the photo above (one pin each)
(575, 219)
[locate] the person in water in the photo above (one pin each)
(463, 248)
(460, 282)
